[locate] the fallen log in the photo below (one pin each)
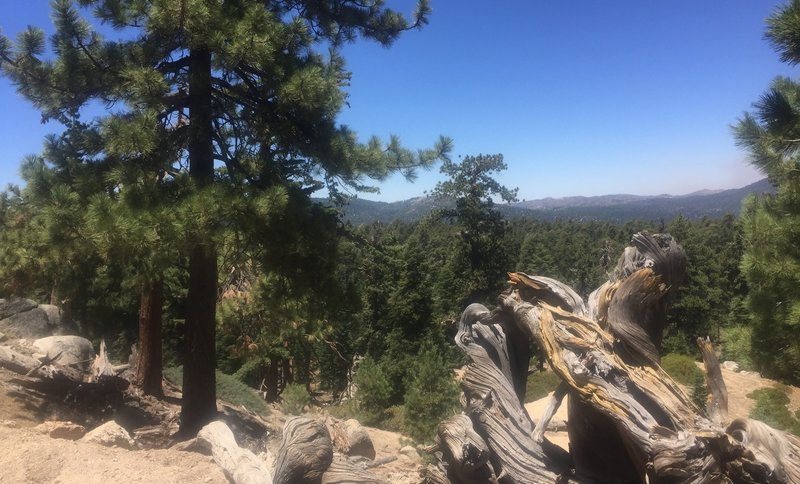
(344, 471)
(240, 465)
(29, 366)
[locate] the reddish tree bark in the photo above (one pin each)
(148, 365)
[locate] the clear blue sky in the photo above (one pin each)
(581, 97)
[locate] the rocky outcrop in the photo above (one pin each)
(12, 306)
(73, 351)
(23, 318)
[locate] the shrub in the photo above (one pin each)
(539, 384)
(699, 389)
(432, 395)
(736, 342)
(344, 411)
(771, 408)
(228, 388)
(684, 370)
(294, 398)
(373, 391)
(681, 368)
(394, 419)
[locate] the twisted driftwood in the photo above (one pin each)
(628, 420)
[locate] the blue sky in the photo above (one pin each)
(581, 97)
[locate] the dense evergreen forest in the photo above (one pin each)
(185, 223)
(382, 296)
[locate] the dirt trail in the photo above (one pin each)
(27, 456)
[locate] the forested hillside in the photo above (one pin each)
(178, 225)
(609, 208)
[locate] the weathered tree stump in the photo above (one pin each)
(628, 420)
(717, 405)
(305, 453)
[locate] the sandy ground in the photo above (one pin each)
(27, 456)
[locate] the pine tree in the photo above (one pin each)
(481, 263)
(432, 393)
(225, 100)
(771, 223)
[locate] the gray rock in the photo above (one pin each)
(75, 351)
(359, 442)
(61, 325)
(410, 452)
(12, 306)
(110, 434)
(31, 324)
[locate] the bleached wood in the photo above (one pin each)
(240, 465)
(717, 405)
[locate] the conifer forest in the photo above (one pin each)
(174, 217)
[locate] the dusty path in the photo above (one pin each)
(27, 456)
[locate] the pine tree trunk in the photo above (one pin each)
(199, 382)
(271, 381)
(148, 366)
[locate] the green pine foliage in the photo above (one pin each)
(737, 343)
(771, 261)
(373, 391)
(229, 389)
(217, 111)
(481, 261)
(432, 394)
(712, 290)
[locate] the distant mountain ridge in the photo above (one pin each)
(613, 208)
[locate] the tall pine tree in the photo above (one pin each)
(771, 223)
(481, 263)
(227, 100)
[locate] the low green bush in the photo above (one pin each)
(684, 370)
(344, 411)
(394, 419)
(432, 395)
(681, 368)
(736, 346)
(228, 388)
(540, 383)
(772, 408)
(373, 391)
(294, 398)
